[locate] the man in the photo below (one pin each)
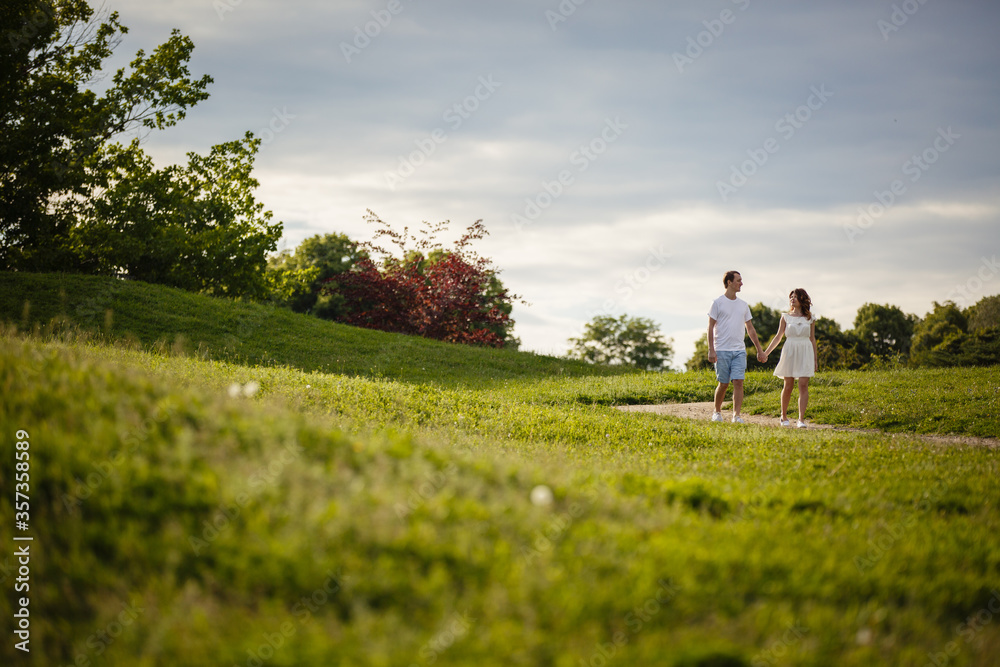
(727, 319)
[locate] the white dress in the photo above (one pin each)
(797, 357)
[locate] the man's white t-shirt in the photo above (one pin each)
(729, 316)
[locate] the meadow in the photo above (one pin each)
(222, 483)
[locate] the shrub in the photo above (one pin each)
(445, 294)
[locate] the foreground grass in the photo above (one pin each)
(338, 519)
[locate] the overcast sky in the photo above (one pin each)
(623, 155)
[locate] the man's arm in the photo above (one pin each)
(711, 341)
(753, 338)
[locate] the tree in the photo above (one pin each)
(298, 277)
(74, 199)
(630, 341)
(427, 290)
(985, 314)
(196, 227)
(944, 322)
(837, 349)
(53, 128)
(948, 336)
(883, 331)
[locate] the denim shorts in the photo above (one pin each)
(730, 365)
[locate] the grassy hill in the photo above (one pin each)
(174, 320)
(202, 509)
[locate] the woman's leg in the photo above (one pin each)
(786, 395)
(803, 397)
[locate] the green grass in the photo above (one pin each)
(355, 519)
(169, 319)
(964, 401)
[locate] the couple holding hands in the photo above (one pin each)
(727, 320)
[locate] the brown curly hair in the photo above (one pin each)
(805, 303)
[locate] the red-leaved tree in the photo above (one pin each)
(446, 294)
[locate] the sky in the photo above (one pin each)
(622, 155)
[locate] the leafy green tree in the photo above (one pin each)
(196, 227)
(985, 314)
(948, 336)
(837, 349)
(298, 277)
(883, 332)
(765, 321)
(53, 129)
(632, 341)
(75, 199)
(944, 322)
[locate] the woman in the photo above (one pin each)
(799, 359)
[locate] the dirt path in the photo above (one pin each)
(703, 411)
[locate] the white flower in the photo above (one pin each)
(250, 388)
(235, 389)
(541, 496)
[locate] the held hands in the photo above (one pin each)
(761, 356)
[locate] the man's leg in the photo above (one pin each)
(722, 368)
(720, 395)
(738, 372)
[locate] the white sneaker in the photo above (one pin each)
(800, 424)
(785, 422)
(717, 416)
(738, 420)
